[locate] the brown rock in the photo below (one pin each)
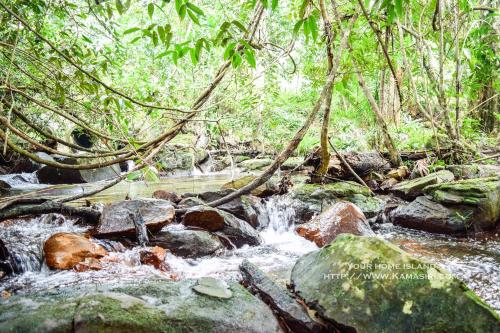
(89, 264)
(204, 217)
(388, 184)
(65, 250)
(115, 219)
(399, 173)
(267, 189)
(154, 256)
(342, 217)
(165, 195)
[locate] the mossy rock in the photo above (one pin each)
(478, 197)
(370, 285)
(264, 190)
(410, 189)
(255, 163)
(316, 196)
(153, 306)
(292, 163)
(469, 171)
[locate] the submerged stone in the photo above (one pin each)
(369, 285)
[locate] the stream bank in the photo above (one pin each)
(110, 279)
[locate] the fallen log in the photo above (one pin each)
(292, 316)
(89, 214)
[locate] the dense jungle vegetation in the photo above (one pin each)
(137, 76)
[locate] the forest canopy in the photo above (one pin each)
(138, 76)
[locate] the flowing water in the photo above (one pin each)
(476, 262)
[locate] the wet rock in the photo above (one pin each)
(89, 264)
(314, 197)
(65, 250)
(51, 175)
(477, 200)
(244, 207)
(231, 230)
(411, 189)
(344, 283)
(187, 243)
(151, 306)
(213, 287)
(255, 163)
(6, 267)
(204, 217)
(237, 232)
(267, 189)
(425, 214)
(342, 217)
(115, 219)
(154, 256)
(190, 202)
(470, 171)
(292, 314)
(166, 195)
(24, 164)
(292, 163)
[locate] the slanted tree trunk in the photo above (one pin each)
(389, 143)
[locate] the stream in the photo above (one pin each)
(475, 261)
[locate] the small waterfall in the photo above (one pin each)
(24, 239)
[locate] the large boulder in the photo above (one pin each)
(116, 221)
(187, 243)
(314, 197)
(231, 230)
(477, 200)
(366, 284)
(413, 188)
(151, 306)
(425, 214)
(342, 217)
(66, 250)
(52, 175)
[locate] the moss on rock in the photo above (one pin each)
(373, 286)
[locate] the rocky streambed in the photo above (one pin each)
(322, 258)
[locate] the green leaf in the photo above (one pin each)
(229, 50)
(193, 17)
(161, 33)
(178, 4)
(119, 7)
(313, 26)
(236, 60)
(297, 26)
(182, 12)
(239, 25)
(154, 37)
(131, 30)
(135, 39)
(151, 10)
(249, 57)
(195, 8)
(398, 4)
(274, 4)
(194, 58)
